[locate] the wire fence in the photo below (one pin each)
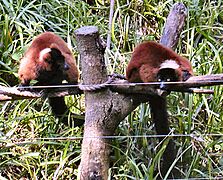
(197, 137)
(119, 84)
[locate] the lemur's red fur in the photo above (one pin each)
(49, 61)
(36, 60)
(147, 61)
(147, 58)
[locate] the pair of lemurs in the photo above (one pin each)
(49, 61)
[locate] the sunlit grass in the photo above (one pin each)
(132, 157)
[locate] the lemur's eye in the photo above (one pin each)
(159, 80)
(168, 80)
(49, 61)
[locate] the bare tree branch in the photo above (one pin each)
(174, 25)
(112, 4)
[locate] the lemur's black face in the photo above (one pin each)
(57, 71)
(167, 75)
(58, 60)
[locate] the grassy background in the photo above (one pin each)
(132, 157)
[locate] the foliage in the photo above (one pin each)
(135, 157)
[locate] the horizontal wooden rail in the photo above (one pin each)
(117, 85)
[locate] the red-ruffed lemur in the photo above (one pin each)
(49, 61)
(151, 62)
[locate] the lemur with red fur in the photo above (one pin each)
(151, 62)
(49, 61)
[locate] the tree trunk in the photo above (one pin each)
(104, 108)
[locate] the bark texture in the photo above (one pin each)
(174, 25)
(104, 109)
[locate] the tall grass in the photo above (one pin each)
(133, 157)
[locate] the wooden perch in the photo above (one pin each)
(12, 93)
(121, 86)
